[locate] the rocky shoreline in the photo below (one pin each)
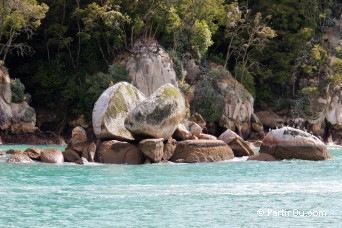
(133, 129)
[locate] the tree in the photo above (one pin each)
(245, 36)
(18, 17)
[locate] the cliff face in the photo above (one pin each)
(15, 118)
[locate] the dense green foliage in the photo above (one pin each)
(18, 90)
(208, 101)
(274, 48)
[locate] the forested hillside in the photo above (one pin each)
(63, 51)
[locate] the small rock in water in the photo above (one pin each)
(19, 157)
(33, 153)
(52, 155)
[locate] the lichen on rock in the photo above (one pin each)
(111, 109)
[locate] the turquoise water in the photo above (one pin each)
(226, 194)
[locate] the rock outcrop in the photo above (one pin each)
(150, 66)
(116, 152)
(111, 109)
(233, 103)
(194, 151)
(159, 115)
(15, 118)
(291, 143)
(51, 155)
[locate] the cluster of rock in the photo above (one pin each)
(134, 129)
(50, 155)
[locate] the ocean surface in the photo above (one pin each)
(237, 193)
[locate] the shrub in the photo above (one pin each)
(18, 90)
(246, 78)
(208, 102)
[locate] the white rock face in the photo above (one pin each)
(150, 67)
(111, 109)
(159, 115)
(292, 143)
(292, 136)
(334, 112)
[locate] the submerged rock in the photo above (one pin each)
(51, 155)
(290, 143)
(194, 151)
(111, 109)
(159, 115)
(117, 152)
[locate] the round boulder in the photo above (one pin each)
(159, 115)
(194, 151)
(292, 143)
(111, 109)
(117, 152)
(51, 155)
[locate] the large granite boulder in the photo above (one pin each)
(117, 152)
(111, 109)
(194, 151)
(159, 115)
(290, 143)
(153, 149)
(51, 155)
(150, 66)
(19, 157)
